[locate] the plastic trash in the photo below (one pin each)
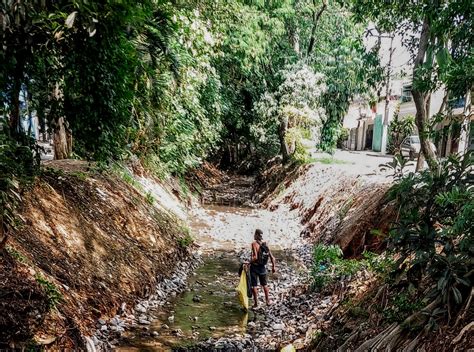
(242, 290)
(288, 348)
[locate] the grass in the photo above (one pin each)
(149, 198)
(328, 160)
(187, 240)
(80, 175)
(329, 265)
(15, 254)
(52, 292)
(345, 208)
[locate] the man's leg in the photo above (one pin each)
(263, 282)
(255, 296)
(254, 282)
(267, 295)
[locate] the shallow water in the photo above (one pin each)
(209, 308)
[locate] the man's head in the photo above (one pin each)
(258, 235)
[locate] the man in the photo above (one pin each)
(258, 266)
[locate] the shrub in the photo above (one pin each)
(343, 136)
(433, 233)
(398, 130)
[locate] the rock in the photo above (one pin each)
(101, 321)
(116, 321)
(280, 326)
(155, 333)
(171, 318)
(140, 309)
(164, 326)
(212, 328)
(197, 298)
(177, 332)
(144, 322)
(104, 328)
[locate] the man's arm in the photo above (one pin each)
(254, 252)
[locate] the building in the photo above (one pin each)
(364, 120)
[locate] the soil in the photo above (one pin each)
(91, 244)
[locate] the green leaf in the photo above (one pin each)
(457, 295)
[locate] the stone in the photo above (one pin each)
(212, 328)
(101, 321)
(171, 318)
(178, 332)
(140, 309)
(164, 326)
(104, 328)
(155, 333)
(116, 321)
(144, 322)
(277, 326)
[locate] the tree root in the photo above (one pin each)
(458, 338)
(390, 337)
(465, 309)
(352, 337)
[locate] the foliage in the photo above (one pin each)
(52, 293)
(18, 165)
(329, 265)
(343, 137)
(396, 166)
(398, 130)
(291, 109)
(434, 227)
(176, 83)
(187, 239)
(439, 36)
(401, 306)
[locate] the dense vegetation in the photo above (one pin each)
(174, 82)
(177, 82)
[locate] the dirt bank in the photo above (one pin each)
(88, 245)
(338, 202)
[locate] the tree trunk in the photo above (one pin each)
(3, 234)
(282, 134)
(466, 124)
(316, 17)
(388, 93)
(14, 122)
(62, 140)
(421, 98)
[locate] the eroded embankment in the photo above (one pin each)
(87, 246)
(336, 206)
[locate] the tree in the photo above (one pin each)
(294, 105)
(439, 35)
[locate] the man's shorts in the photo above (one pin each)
(255, 278)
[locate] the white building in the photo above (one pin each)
(365, 123)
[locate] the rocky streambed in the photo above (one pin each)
(197, 308)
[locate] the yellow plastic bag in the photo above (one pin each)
(288, 348)
(242, 291)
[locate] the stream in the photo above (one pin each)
(208, 308)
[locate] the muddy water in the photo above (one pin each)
(209, 308)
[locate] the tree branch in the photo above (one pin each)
(316, 18)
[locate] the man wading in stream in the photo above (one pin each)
(258, 266)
